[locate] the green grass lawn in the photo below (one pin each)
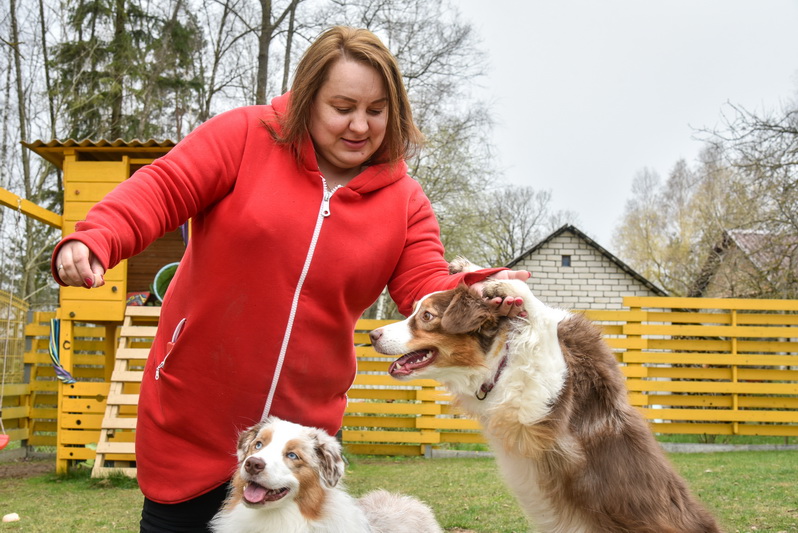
(747, 491)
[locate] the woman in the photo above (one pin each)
(301, 212)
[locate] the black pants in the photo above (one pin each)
(191, 516)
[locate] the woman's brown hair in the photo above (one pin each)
(402, 136)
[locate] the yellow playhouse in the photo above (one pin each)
(93, 325)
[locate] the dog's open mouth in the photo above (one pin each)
(410, 362)
(258, 494)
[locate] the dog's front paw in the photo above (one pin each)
(503, 288)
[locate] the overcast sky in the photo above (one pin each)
(587, 93)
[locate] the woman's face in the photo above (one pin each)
(348, 118)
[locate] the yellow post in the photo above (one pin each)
(29, 209)
(65, 343)
(735, 376)
(110, 350)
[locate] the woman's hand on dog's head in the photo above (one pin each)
(509, 306)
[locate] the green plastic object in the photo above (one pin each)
(162, 279)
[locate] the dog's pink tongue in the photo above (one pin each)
(254, 493)
(405, 365)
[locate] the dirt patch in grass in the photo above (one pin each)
(24, 468)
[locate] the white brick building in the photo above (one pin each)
(570, 270)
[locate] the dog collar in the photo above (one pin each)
(486, 387)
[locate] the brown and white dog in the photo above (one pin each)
(553, 404)
(288, 482)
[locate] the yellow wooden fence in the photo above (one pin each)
(693, 366)
(14, 407)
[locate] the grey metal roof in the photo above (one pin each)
(99, 150)
(603, 251)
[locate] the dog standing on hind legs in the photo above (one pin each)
(553, 404)
(288, 481)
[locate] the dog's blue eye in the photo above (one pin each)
(292, 456)
(258, 445)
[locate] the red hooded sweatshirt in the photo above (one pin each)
(259, 317)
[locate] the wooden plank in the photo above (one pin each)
(44, 412)
(117, 447)
(86, 389)
(467, 438)
(720, 387)
(613, 315)
(84, 421)
(678, 358)
(415, 437)
(773, 431)
(397, 408)
(29, 209)
(77, 454)
(138, 331)
(140, 354)
(709, 331)
(83, 405)
(448, 423)
(16, 389)
(84, 191)
(41, 440)
(80, 438)
(386, 380)
(127, 376)
(383, 449)
(373, 366)
(382, 394)
(17, 434)
(722, 415)
(151, 311)
(711, 303)
(119, 423)
(123, 399)
(94, 311)
(692, 428)
(368, 324)
(355, 422)
(13, 413)
(434, 395)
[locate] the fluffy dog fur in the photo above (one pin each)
(553, 404)
(288, 482)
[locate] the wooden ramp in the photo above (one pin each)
(116, 447)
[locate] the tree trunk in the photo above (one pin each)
(117, 70)
(289, 41)
(264, 40)
(49, 86)
(28, 274)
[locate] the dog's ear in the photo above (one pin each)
(467, 313)
(331, 462)
(246, 437)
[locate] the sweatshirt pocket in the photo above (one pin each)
(169, 347)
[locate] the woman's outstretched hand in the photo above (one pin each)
(77, 267)
(510, 306)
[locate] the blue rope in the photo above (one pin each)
(60, 372)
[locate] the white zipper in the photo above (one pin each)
(170, 347)
(324, 212)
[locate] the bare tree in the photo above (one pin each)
(513, 219)
(271, 20)
(765, 147)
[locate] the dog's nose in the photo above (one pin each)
(375, 335)
(254, 465)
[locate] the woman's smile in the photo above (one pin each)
(348, 119)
